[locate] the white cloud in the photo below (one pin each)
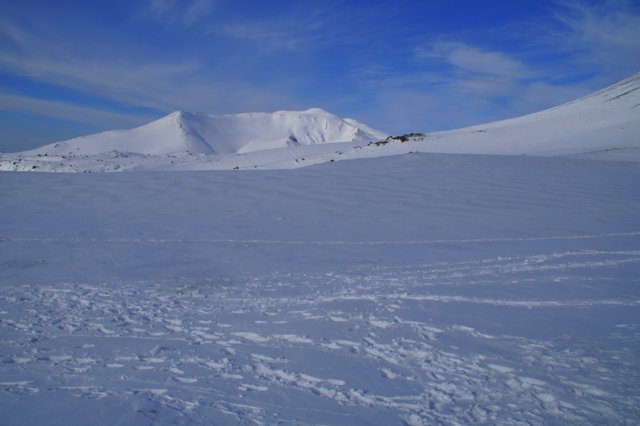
(161, 7)
(149, 85)
(310, 25)
(183, 12)
(483, 62)
(295, 31)
(472, 59)
(68, 111)
(197, 10)
(163, 86)
(472, 71)
(605, 34)
(265, 35)
(588, 46)
(453, 103)
(458, 84)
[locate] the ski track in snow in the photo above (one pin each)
(241, 353)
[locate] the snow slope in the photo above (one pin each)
(181, 132)
(602, 122)
(406, 290)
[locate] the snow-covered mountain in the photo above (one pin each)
(182, 132)
(604, 125)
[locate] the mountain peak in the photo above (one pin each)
(316, 111)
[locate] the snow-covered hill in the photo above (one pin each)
(184, 132)
(604, 125)
(596, 125)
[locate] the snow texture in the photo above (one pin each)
(406, 290)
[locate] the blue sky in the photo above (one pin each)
(70, 67)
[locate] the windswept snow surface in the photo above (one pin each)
(407, 290)
(602, 126)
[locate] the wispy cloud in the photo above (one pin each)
(185, 12)
(473, 71)
(297, 29)
(312, 26)
(159, 8)
(267, 36)
(164, 86)
(582, 47)
(455, 79)
(404, 108)
(197, 10)
(605, 34)
(68, 111)
(471, 59)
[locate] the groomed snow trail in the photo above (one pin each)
(413, 290)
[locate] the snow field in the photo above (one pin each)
(422, 289)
